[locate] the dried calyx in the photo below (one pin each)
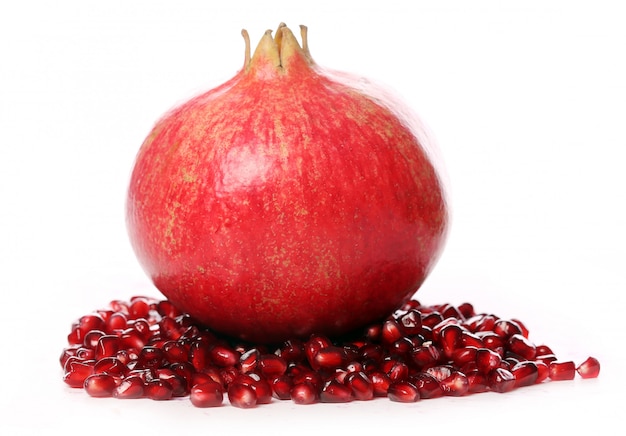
(278, 51)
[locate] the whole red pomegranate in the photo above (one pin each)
(286, 201)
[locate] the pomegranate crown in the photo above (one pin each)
(279, 52)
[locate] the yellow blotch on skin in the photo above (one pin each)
(170, 225)
(189, 176)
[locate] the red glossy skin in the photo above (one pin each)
(284, 203)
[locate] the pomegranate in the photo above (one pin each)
(286, 201)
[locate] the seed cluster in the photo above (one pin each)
(146, 348)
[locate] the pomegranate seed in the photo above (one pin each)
(166, 308)
(139, 308)
(85, 353)
(427, 385)
(521, 346)
(411, 304)
(525, 373)
(304, 393)
(282, 386)
(309, 376)
(248, 360)
(590, 368)
(198, 378)
(100, 385)
(184, 370)
(469, 339)
(229, 375)
(330, 357)
(403, 392)
(467, 310)
(380, 383)
(119, 306)
(76, 372)
(477, 382)
(242, 395)
(468, 367)
(105, 314)
(108, 346)
(522, 327)
(401, 349)
(546, 358)
(150, 357)
(91, 322)
(145, 375)
(66, 354)
(456, 385)
(491, 340)
(361, 386)
(431, 319)
(158, 390)
(544, 349)
(335, 392)
(117, 321)
(396, 370)
(313, 346)
(501, 380)
(110, 365)
(175, 352)
(411, 322)
(505, 364)
(436, 330)
(373, 333)
(208, 394)
(485, 323)
(179, 384)
(224, 356)
(91, 338)
(131, 338)
(427, 334)
(462, 356)
(450, 311)
(440, 372)
(75, 337)
(169, 328)
(262, 388)
(506, 328)
(426, 356)
(354, 367)
(147, 349)
(487, 360)
(371, 352)
(141, 326)
(129, 388)
(562, 370)
(199, 356)
(391, 331)
(292, 351)
(214, 373)
(192, 334)
(543, 371)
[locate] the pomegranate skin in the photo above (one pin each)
(285, 202)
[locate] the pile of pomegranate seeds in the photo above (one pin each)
(146, 348)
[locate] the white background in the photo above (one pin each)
(526, 99)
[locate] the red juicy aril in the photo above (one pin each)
(286, 201)
(180, 358)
